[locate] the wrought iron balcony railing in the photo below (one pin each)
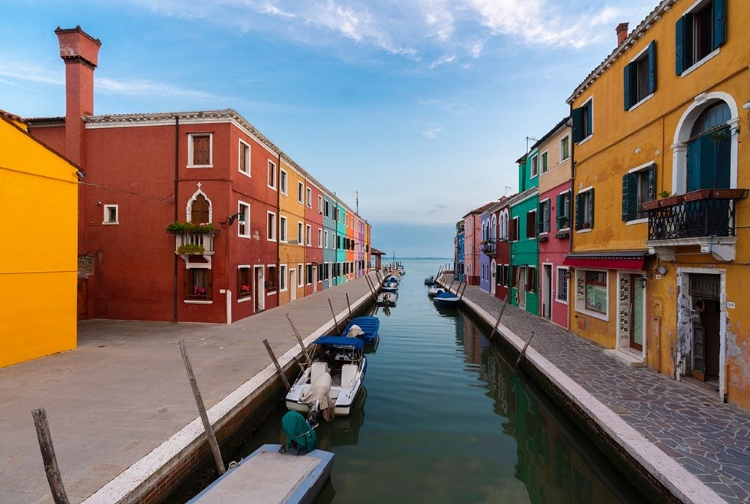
(489, 247)
(702, 213)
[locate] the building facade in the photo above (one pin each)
(524, 251)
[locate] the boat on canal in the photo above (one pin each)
(365, 328)
(332, 381)
(270, 474)
(430, 280)
(446, 299)
(387, 298)
(434, 290)
(391, 283)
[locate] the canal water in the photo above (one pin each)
(445, 419)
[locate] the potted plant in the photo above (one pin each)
(190, 249)
(178, 227)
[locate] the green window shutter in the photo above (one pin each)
(629, 197)
(626, 85)
(579, 211)
(558, 209)
(652, 67)
(680, 46)
(720, 22)
(578, 124)
(652, 182)
(547, 217)
(591, 208)
(590, 120)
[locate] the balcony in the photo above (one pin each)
(704, 218)
(489, 247)
(195, 244)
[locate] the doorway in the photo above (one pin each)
(259, 290)
(314, 278)
(547, 291)
(493, 277)
(635, 308)
(293, 284)
(706, 322)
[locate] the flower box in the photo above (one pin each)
(700, 194)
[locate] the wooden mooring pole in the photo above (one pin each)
(349, 306)
(276, 363)
(48, 456)
(523, 352)
(334, 316)
(502, 310)
(299, 339)
(202, 410)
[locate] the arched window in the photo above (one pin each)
(709, 148)
(199, 210)
(493, 232)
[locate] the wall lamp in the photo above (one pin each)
(644, 279)
(233, 217)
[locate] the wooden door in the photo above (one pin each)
(81, 300)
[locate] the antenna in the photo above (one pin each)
(527, 143)
(507, 188)
(357, 193)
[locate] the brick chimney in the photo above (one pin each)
(80, 52)
(622, 32)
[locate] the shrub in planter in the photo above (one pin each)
(190, 249)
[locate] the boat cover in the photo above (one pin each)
(298, 432)
(342, 341)
(354, 331)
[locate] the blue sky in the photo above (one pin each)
(421, 106)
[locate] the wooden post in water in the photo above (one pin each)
(502, 310)
(334, 316)
(349, 306)
(202, 410)
(48, 456)
(523, 352)
(462, 292)
(299, 339)
(276, 363)
(371, 286)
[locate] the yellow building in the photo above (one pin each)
(291, 231)
(659, 153)
(40, 201)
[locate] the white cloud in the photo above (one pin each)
(433, 131)
(448, 58)
(148, 88)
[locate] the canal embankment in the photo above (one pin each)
(121, 411)
(672, 439)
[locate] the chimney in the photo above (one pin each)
(80, 53)
(622, 32)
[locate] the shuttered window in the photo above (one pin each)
(544, 217)
(585, 210)
(531, 224)
(198, 284)
(583, 121)
(200, 153)
(199, 210)
(562, 210)
(638, 187)
(700, 32)
(640, 77)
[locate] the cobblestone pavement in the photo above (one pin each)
(708, 438)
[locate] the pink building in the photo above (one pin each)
(472, 243)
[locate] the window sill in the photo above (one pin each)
(637, 221)
(200, 166)
(247, 174)
(198, 301)
(110, 223)
(244, 299)
(586, 139)
(700, 63)
(562, 301)
(586, 230)
(594, 314)
(642, 101)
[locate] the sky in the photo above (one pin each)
(417, 109)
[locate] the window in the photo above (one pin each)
(320, 238)
(282, 229)
(564, 148)
(244, 282)
(243, 224)
(320, 204)
(283, 181)
(638, 187)
(595, 291)
(325, 243)
(309, 198)
(562, 284)
(271, 231)
(544, 211)
(327, 212)
(200, 210)
(506, 274)
(709, 150)
(282, 277)
(308, 235)
(110, 215)
(309, 274)
(562, 210)
(544, 162)
(300, 192)
(531, 224)
(513, 232)
(700, 32)
(534, 166)
(531, 279)
(244, 164)
(199, 150)
(271, 174)
(585, 209)
(640, 76)
(300, 279)
(583, 121)
(198, 284)
(271, 282)
(300, 237)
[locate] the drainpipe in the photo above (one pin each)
(278, 234)
(571, 222)
(176, 212)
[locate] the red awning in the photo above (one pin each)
(627, 261)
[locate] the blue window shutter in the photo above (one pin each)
(577, 115)
(591, 208)
(629, 197)
(720, 22)
(652, 67)
(590, 120)
(626, 85)
(680, 49)
(694, 165)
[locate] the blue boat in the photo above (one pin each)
(430, 280)
(368, 325)
(446, 298)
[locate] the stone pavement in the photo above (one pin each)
(123, 394)
(709, 439)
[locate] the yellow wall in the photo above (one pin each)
(623, 140)
(292, 253)
(38, 271)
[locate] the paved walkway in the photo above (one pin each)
(124, 392)
(709, 439)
